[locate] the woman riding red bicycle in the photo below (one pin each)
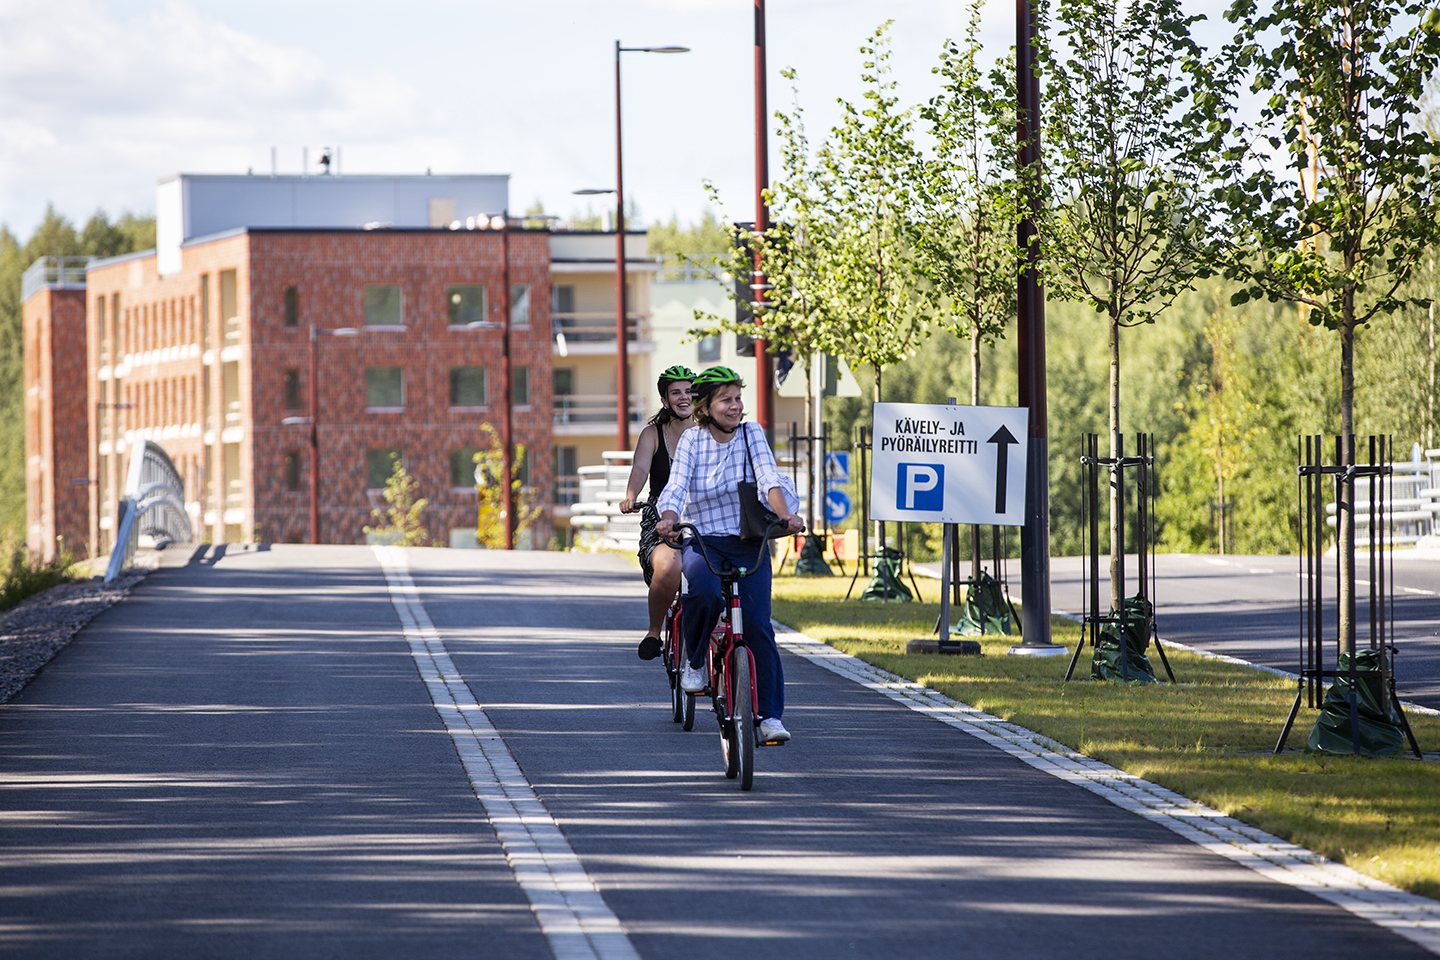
(710, 465)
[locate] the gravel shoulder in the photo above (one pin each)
(33, 631)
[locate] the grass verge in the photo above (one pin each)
(1209, 737)
(25, 575)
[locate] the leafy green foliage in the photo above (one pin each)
(401, 523)
(26, 575)
(490, 461)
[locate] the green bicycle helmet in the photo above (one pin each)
(709, 380)
(675, 374)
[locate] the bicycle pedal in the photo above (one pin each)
(773, 743)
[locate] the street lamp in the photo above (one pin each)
(622, 369)
(507, 495)
(312, 420)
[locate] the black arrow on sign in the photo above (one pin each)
(1002, 439)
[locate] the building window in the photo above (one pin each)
(204, 311)
(102, 348)
(229, 306)
(520, 386)
(467, 386)
(380, 464)
(292, 306)
(564, 299)
(709, 349)
(567, 475)
(562, 381)
(466, 304)
(383, 303)
(462, 466)
(292, 389)
(520, 305)
(384, 387)
(292, 471)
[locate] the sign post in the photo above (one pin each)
(949, 464)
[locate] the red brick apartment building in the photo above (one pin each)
(202, 345)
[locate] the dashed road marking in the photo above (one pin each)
(575, 919)
(1415, 918)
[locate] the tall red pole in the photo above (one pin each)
(1030, 345)
(764, 379)
(507, 498)
(622, 360)
(314, 444)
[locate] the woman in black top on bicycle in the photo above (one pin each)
(654, 451)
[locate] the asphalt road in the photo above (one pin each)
(242, 760)
(1248, 607)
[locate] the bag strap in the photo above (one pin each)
(745, 428)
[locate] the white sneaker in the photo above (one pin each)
(772, 731)
(692, 679)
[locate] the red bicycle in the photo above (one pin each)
(732, 669)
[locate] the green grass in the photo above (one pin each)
(25, 575)
(1209, 738)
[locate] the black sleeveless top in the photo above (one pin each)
(659, 464)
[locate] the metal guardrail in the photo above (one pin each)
(60, 272)
(153, 503)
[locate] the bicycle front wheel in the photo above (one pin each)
(742, 716)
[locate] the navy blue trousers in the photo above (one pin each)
(703, 604)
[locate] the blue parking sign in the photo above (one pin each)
(920, 486)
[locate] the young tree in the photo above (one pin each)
(1339, 229)
(1125, 177)
(490, 465)
(965, 236)
(865, 179)
(401, 523)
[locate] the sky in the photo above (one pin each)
(101, 98)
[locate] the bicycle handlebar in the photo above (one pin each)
(740, 572)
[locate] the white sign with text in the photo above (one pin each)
(938, 463)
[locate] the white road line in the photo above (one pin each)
(575, 919)
(1415, 918)
(1423, 593)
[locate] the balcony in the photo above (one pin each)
(594, 333)
(592, 414)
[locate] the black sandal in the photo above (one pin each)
(649, 648)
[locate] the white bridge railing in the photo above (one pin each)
(153, 504)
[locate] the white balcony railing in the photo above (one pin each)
(593, 408)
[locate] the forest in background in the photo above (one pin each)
(1211, 381)
(54, 237)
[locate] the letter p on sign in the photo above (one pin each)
(920, 486)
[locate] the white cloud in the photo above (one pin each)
(98, 106)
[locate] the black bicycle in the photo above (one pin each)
(672, 653)
(732, 668)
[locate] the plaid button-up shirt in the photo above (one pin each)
(705, 474)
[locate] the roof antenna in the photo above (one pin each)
(325, 160)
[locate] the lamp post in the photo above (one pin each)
(764, 379)
(507, 484)
(622, 368)
(313, 421)
(1030, 345)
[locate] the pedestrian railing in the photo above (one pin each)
(152, 504)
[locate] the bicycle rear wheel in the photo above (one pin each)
(742, 714)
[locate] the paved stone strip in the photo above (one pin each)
(575, 919)
(1416, 918)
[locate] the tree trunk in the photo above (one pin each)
(1345, 505)
(1117, 476)
(813, 474)
(975, 401)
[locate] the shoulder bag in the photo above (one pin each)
(756, 517)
